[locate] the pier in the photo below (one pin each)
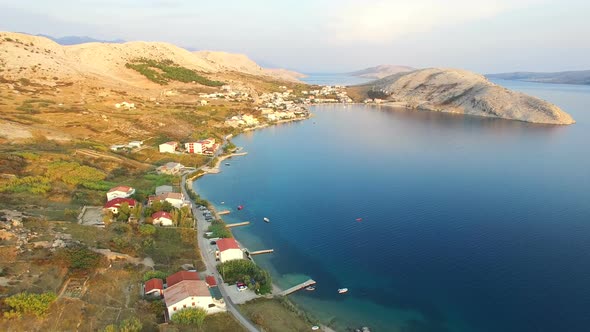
(297, 287)
(237, 224)
(260, 252)
(224, 212)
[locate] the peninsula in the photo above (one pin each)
(464, 92)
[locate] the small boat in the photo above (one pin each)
(226, 164)
(222, 202)
(342, 290)
(240, 207)
(310, 288)
(359, 219)
(266, 219)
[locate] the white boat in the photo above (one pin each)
(266, 219)
(342, 290)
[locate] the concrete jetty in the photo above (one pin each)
(297, 287)
(224, 212)
(244, 223)
(260, 252)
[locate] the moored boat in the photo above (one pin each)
(266, 219)
(310, 288)
(240, 207)
(342, 290)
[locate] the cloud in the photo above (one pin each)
(379, 21)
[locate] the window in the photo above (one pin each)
(174, 309)
(211, 305)
(184, 305)
(193, 304)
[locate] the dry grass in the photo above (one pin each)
(275, 315)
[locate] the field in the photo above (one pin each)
(276, 315)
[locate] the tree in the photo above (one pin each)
(124, 212)
(147, 230)
(128, 325)
(79, 257)
(154, 274)
(190, 316)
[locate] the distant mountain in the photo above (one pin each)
(381, 71)
(75, 40)
(564, 77)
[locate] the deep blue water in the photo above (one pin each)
(469, 223)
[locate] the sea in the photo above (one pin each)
(433, 221)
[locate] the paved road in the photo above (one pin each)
(210, 264)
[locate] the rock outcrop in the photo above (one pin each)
(381, 71)
(461, 91)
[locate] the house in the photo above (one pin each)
(154, 287)
(114, 204)
(168, 147)
(135, 144)
(119, 191)
(162, 218)
(164, 189)
(179, 276)
(170, 168)
(229, 249)
(191, 294)
(193, 147)
(175, 199)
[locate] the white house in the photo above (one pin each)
(194, 147)
(191, 294)
(228, 250)
(114, 204)
(168, 147)
(154, 287)
(120, 191)
(170, 168)
(175, 199)
(135, 144)
(162, 218)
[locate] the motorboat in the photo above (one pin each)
(359, 219)
(266, 219)
(240, 207)
(342, 290)
(310, 288)
(226, 164)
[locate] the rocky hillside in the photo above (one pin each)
(41, 59)
(381, 71)
(460, 91)
(223, 61)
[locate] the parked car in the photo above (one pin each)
(213, 243)
(241, 286)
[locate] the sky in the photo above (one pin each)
(334, 36)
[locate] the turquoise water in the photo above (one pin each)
(468, 223)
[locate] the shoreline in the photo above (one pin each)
(190, 182)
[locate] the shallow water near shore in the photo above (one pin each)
(468, 223)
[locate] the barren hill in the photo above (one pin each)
(461, 91)
(381, 71)
(39, 58)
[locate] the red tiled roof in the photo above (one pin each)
(152, 284)
(181, 276)
(210, 281)
(161, 214)
(225, 244)
(124, 189)
(118, 201)
(184, 289)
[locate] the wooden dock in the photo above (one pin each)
(260, 252)
(298, 287)
(224, 212)
(237, 224)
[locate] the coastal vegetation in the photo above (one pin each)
(190, 316)
(164, 71)
(277, 315)
(219, 229)
(248, 272)
(132, 324)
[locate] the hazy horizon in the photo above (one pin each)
(335, 36)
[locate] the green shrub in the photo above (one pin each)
(190, 316)
(154, 274)
(80, 257)
(28, 303)
(164, 71)
(245, 270)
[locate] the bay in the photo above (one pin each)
(468, 223)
